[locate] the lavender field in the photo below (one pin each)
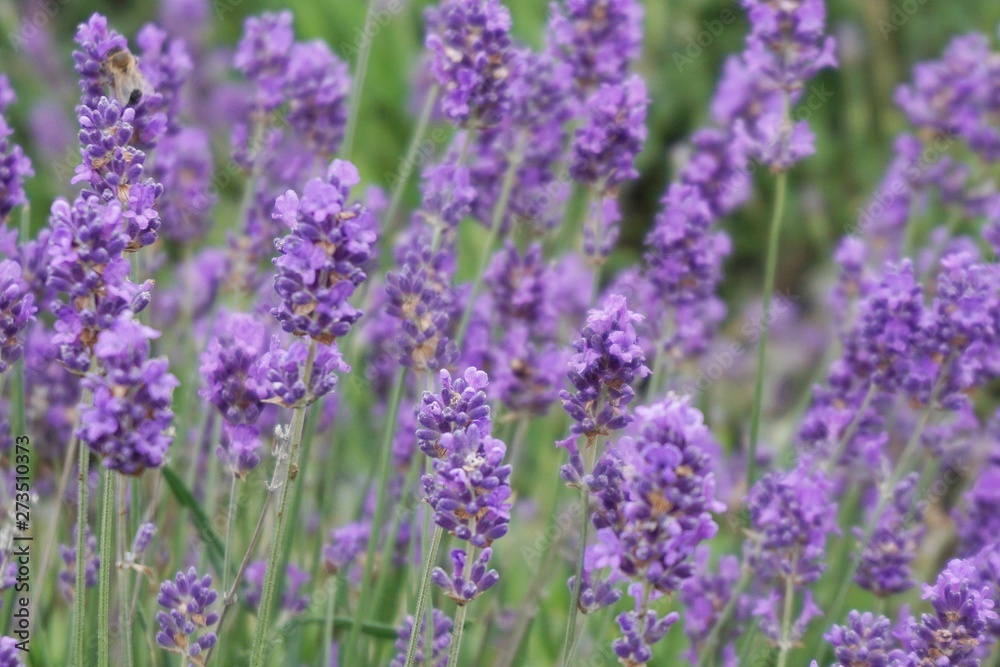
(499, 332)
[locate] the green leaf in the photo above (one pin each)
(216, 549)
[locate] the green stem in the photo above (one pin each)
(230, 520)
(331, 610)
(769, 274)
(460, 614)
(107, 564)
(271, 573)
(410, 161)
(80, 592)
(124, 622)
(360, 70)
(416, 466)
(574, 602)
(364, 603)
(50, 536)
(786, 622)
(422, 595)
(499, 211)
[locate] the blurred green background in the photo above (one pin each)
(683, 55)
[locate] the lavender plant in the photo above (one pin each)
(321, 404)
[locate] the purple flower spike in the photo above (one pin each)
(320, 262)
(95, 42)
(262, 55)
(67, 577)
(608, 360)
(128, 422)
(598, 39)
(421, 298)
(612, 135)
(963, 611)
(461, 403)
(459, 589)
(469, 488)
(790, 518)
(229, 366)
(17, 311)
(14, 165)
(594, 597)
(281, 371)
(864, 642)
(10, 654)
(184, 166)
(184, 626)
(639, 633)
(291, 601)
(317, 85)
(469, 42)
(885, 560)
(439, 650)
(667, 494)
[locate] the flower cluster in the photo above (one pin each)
(229, 366)
(884, 568)
(438, 656)
(17, 311)
(470, 46)
(469, 485)
(184, 627)
(128, 422)
(607, 361)
(460, 404)
(292, 377)
(665, 496)
(293, 600)
(320, 262)
(307, 77)
(598, 39)
(422, 300)
(14, 165)
(92, 563)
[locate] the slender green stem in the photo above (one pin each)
(124, 622)
(271, 573)
(360, 70)
(460, 614)
(331, 611)
(422, 595)
(574, 602)
(411, 159)
(53, 528)
(80, 591)
(385, 454)
(499, 211)
(107, 551)
(230, 520)
(786, 622)
(416, 466)
(765, 327)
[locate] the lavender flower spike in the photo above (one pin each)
(469, 42)
(128, 421)
(607, 361)
(14, 165)
(17, 311)
(184, 626)
(320, 262)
